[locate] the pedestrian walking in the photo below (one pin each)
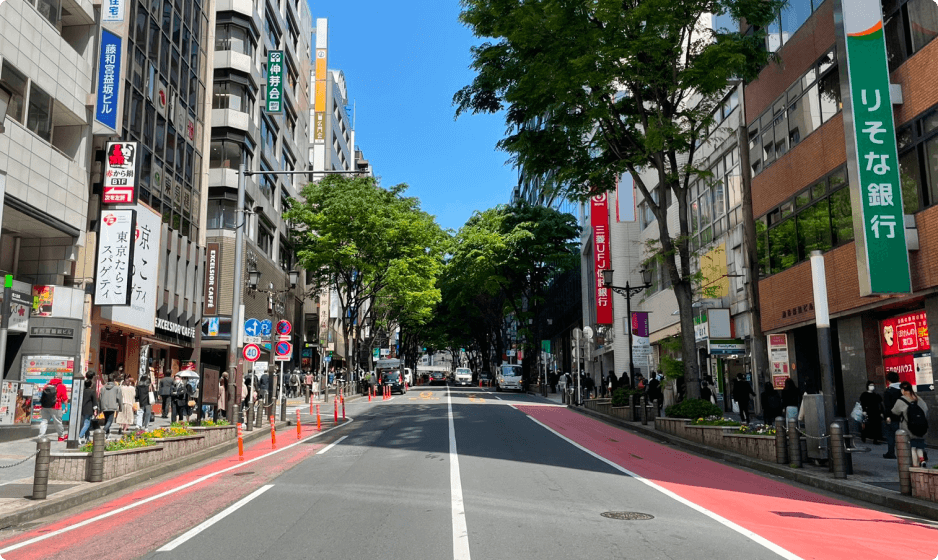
(653, 392)
(222, 406)
(128, 404)
(53, 400)
(742, 390)
(110, 403)
(166, 393)
(603, 384)
(892, 394)
(706, 393)
(872, 404)
(791, 400)
(142, 396)
(771, 404)
(89, 406)
(180, 400)
(294, 385)
(913, 418)
(613, 383)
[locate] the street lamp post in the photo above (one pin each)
(628, 291)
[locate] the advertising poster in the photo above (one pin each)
(120, 173)
(144, 272)
(778, 359)
(39, 370)
(906, 333)
(115, 257)
(42, 301)
(8, 394)
(924, 379)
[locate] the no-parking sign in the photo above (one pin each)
(284, 351)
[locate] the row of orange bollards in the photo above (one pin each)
(273, 432)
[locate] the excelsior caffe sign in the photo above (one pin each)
(170, 327)
(212, 263)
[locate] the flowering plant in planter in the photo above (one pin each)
(714, 421)
(757, 430)
(213, 423)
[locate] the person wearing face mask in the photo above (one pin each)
(872, 404)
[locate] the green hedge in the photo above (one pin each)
(693, 409)
(620, 397)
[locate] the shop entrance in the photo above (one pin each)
(110, 357)
(808, 364)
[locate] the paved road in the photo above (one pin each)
(465, 473)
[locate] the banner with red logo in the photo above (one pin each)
(906, 333)
(116, 235)
(120, 173)
(599, 219)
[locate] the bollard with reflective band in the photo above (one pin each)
(781, 442)
(273, 433)
(240, 442)
(98, 443)
(318, 420)
(794, 444)
(369, 394)
(298, 424)
(335, 410)
(838, 451)
(41, 472)
(343, 410)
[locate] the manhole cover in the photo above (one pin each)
(243, 473)
(627, 515)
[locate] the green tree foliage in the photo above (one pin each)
(595, 88)
(371, 245)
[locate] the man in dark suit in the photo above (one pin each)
(166, 391)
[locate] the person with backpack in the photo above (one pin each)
(111, 403)
(890, 397)
(913, 413)
(53, 400)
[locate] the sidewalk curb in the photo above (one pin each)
(51, 505)
(850, 489)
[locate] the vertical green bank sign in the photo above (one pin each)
(872, 158)
(275, 82)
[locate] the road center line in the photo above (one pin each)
(330, 446)
(213, 520)
(718, 518)
(460, 532)
(96, 518)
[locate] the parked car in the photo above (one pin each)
(509, 377)
(394, 380)
(463, 376)
(437, 377)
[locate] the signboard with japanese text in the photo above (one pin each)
(39, 370)
(139, 312)
(778, 359)
(906, 333)
(120, 173)
(212, 278)
(115, 255)
(112, 11)
(872, 158)
(8, 400)
(21, 303)
(109, 79)
(274, 82)
(599, 220)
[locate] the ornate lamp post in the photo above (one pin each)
(628, 291)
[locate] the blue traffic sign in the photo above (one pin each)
(252, 327)
(283, 348)
(266, 327)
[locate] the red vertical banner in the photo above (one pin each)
(599, 219)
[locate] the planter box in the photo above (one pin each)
(757, 447)
(707, 435)
(77, 466)
(673, 426)
(924, 483)
(604, 408)
(622, 412)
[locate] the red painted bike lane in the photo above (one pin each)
(801, 522)
(138, 522)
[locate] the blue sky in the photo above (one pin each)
(403, 61)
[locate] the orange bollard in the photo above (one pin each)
(369, 394)
(273, 433)
(335, 409)
(298, 424)
(318, 420)
(240, 442)
(343, 410)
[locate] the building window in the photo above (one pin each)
(810, 102)
(230, 37)
(39, 117)
(918, 161)
(791, 17)
(286, 255)
(909, 26)
(269, 139)
(221, 214)
(816, 219)
(15, 82)
(234, 96)
(265, 239)
(49, 9)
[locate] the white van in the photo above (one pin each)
(463, 376)
(509, 377)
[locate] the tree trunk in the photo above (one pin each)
(684, 295)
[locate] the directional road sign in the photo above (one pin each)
(251, 352)
(266, 327)
(252, 327)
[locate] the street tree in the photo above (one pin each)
(372, 246)
(592, 89)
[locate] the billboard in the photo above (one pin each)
(120, 173)
(109, 80)
(115, 255)
(599, 220)
(140, 311)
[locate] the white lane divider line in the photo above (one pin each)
(330, 446)
(718, 518)
(137, 504)
(211, 521)
(460, 532)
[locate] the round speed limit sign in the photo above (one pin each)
(251, 352)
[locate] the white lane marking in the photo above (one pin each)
(330, 446)
(63, 530)
(460, 532)
(209, 522)
(718, 518)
